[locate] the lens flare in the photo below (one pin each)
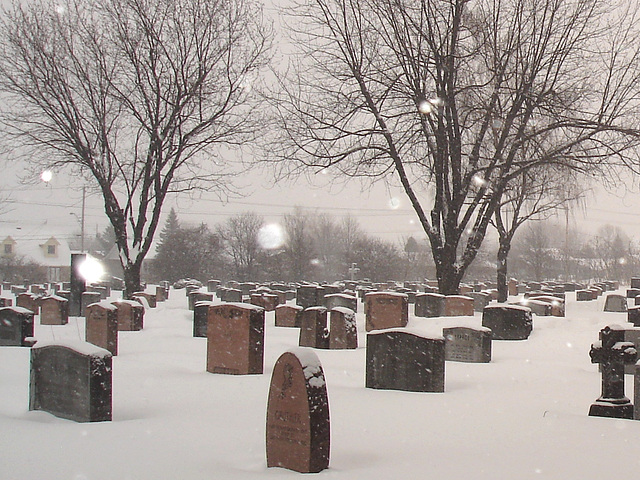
(91, 270)
(271, 236)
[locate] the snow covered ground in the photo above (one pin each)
(522, 416)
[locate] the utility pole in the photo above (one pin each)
(84, 195)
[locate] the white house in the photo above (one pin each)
(49, 251)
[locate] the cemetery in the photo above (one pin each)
(238, 390)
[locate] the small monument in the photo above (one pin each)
(612, 353)
(298, 426)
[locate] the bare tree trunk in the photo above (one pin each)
(502, 269)
(132, 279)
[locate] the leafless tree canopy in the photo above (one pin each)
(447, 96)
(139, 95)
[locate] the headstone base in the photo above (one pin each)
(603, 408)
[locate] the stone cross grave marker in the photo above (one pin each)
(403, 360)
(298, 426)
(235, 339)
(71, 381)
(612, 353)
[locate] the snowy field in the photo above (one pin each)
(522, 416)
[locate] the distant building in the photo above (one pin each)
(21, 254)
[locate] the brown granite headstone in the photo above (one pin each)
(298, 426)
(235, 339)
(54, 310)
(288, 315)
(458, 305)
(313, 328)
(102, 326)
(29, 301)
(386, 310)
(149, 297)
(130, 315)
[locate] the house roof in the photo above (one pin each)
(34, 248)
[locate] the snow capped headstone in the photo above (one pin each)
(149, 297)
(102, 326)
(130, 315)
(403, 360)
(313, 328)
(235, 339)
(54, 310)
(308, 296)
(298, 426)
(480, 300)
(86, 299)
(612, 352)
(16, 326)
(288, 315)
(386, 310)
(29, 301)
(71, 381)
(343, 333)
(458, 305)
(464, 344)
(198, 296)
(615, 303)
(508, 322)
(429, 305)
(334, 300)
(633, 315)
(201, 318)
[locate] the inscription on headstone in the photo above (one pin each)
(386, 310)
(463, 344)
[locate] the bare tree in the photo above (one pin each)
(299, 247)
(445, 95)
(240, 239)
(537, 193)
(136, 96)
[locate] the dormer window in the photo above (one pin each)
(51, 249)
(8, 249)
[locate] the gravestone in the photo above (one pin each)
(615, 303)
(631, 335)
(429, 305)
(583, 295)
(5, 302)
(612, 353)
(538, 307)
(636, 391)
(86, 299)
(235, 339)
(343, 333)
(308, 296)
(636, 301)
(334, 300)
(130, 315)
(201, 318)
(404, 360)
(386, 310)
(288, 315)
(16, 327)
(197, 296)
(298, 425)
(149, 297)
(508, 322)
(480, 300)
(231, 295)
(71, 381)
(635, 282)
(161, 293)
(213, 285)
(633, 315)
(458, 305)
(313, 328)
(102, 326)
(29, 301)
(464, 344)
(557, 304)
(54, 310)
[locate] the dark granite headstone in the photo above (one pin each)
(87, 298)
(557, 304)
(334, 300)
(149, 297)
(538, 307)
(612, 353)
(198, 296)
(386, 310)
(464, 344)
(508, 322)
(77, 285)
(343, 333)
(480, 300)
(429, 305)
(54, 310)
(633, 315)
(201, 318)
(313, 328)
(29, 301)
(635, 282)
(16, 326)
(583, 295)
(308, 296)
(615, 303)
(235, 339)
(403, 360)
(102, 326)
(5, 302)
(298, 425)
(71, 381)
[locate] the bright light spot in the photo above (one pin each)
(394, 203)
(315, 261)
(569, 345)
(479, 181)
(91, 270)
(46, 176)
(437, 102)
(622, 261)
(425, 107)
(271, 236)
(60, 9)
(412, 222)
